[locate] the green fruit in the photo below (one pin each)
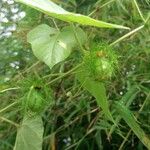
(103, 68)
(35, 102)
(36, 96)
(100, 63)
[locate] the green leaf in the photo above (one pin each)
(97, 89)
(51, 9)
(30, 134)
(52, 46)
(132, 123)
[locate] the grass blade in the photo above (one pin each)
(127, 99)
(132, 123)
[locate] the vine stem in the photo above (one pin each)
(9, 106)
(9, 121)
(139, 11)
(65, 74)
(97, 3)
(126, 35)
(9, 89)
(77, 39)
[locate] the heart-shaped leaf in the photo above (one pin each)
(52, 46)
(30, 134)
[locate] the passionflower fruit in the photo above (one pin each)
(100, 62)
(36, 96)
(35, 101)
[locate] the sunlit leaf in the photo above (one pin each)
(50, 8)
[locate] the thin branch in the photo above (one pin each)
(127, 35)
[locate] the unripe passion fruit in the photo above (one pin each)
(35, 101)
(36, 96)
(100, 63)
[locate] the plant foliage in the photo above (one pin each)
(74, 86)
